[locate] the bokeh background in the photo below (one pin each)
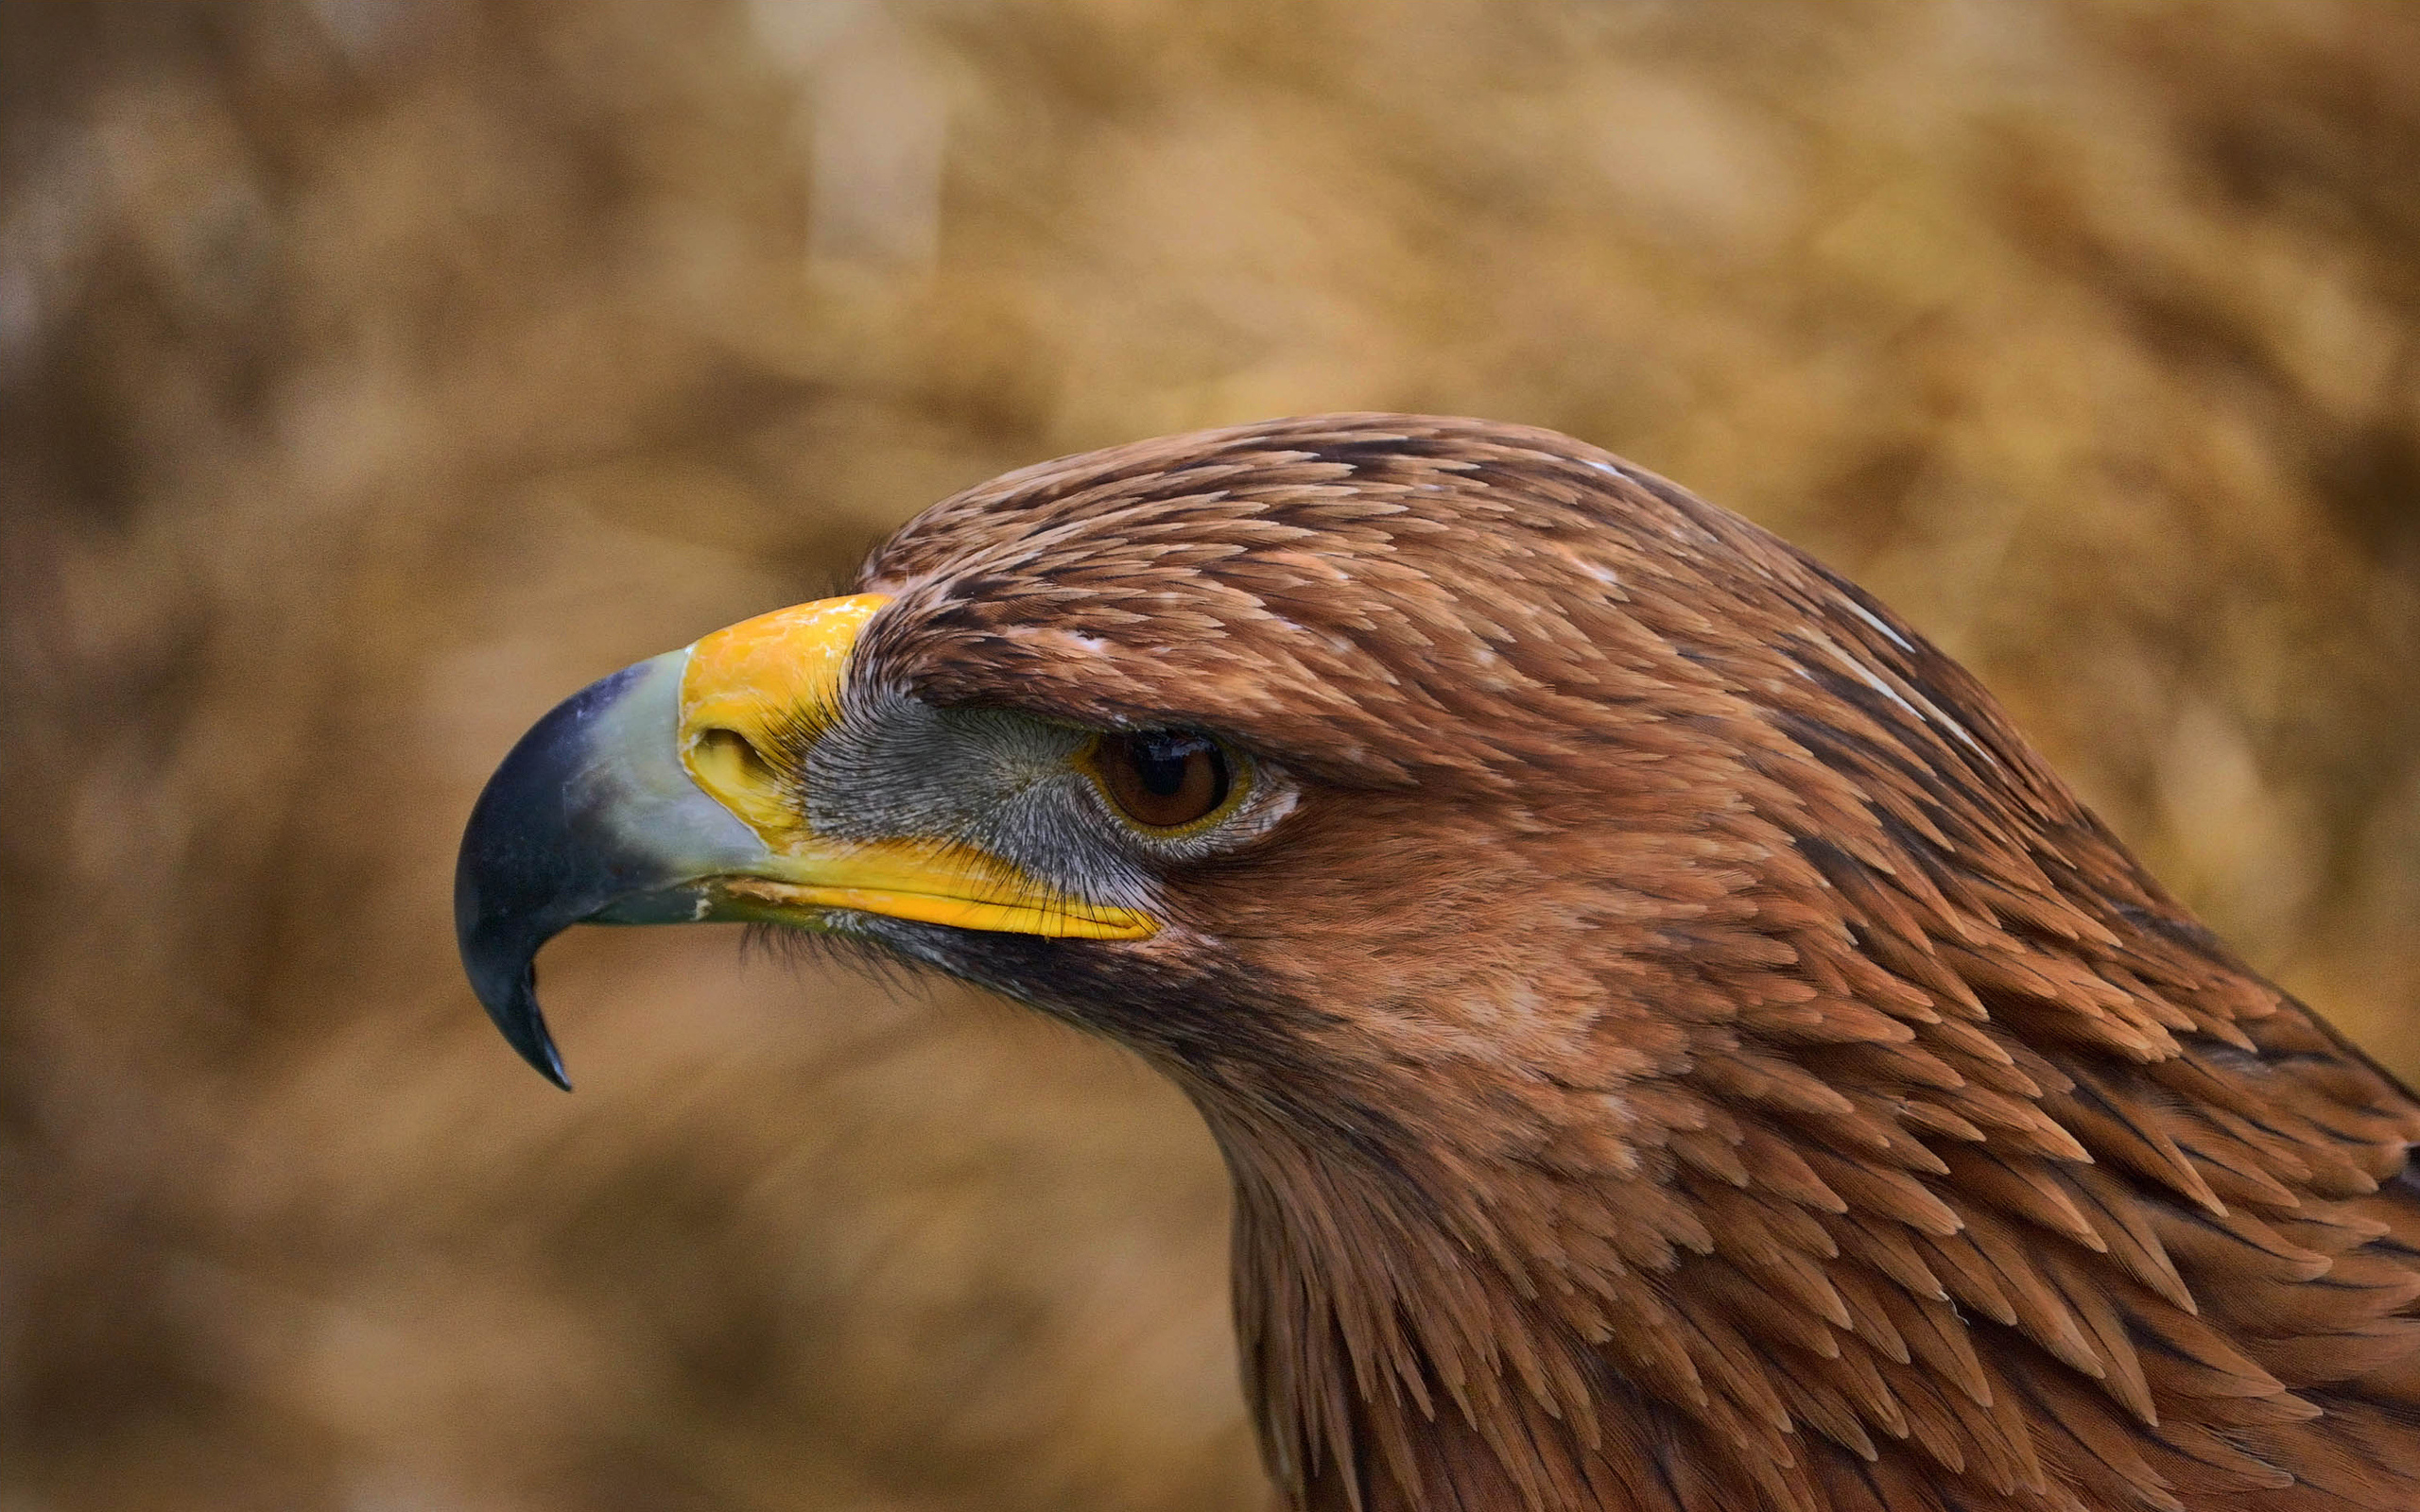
(376, 373)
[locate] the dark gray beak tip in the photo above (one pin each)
(525, 1028)
(501, 961)
(533, 864)
(591, 818)
(540, 1053)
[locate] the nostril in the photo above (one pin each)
(733, 756)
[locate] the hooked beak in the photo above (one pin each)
(674, 791)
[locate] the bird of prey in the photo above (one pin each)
(1676, 1047)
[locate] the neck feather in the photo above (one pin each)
(1403, 1351)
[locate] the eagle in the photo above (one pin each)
(1676, 1047)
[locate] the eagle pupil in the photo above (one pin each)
(1161, 761)
(1162, 778)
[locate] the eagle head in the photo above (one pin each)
(1665, 1028)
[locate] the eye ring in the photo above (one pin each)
(1165, 782)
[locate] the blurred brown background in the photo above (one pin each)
(377, 372)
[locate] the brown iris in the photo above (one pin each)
(1163, 779)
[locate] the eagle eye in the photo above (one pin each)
(1162, 779)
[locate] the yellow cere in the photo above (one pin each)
(747, 679)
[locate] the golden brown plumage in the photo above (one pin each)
(1677, 1048)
